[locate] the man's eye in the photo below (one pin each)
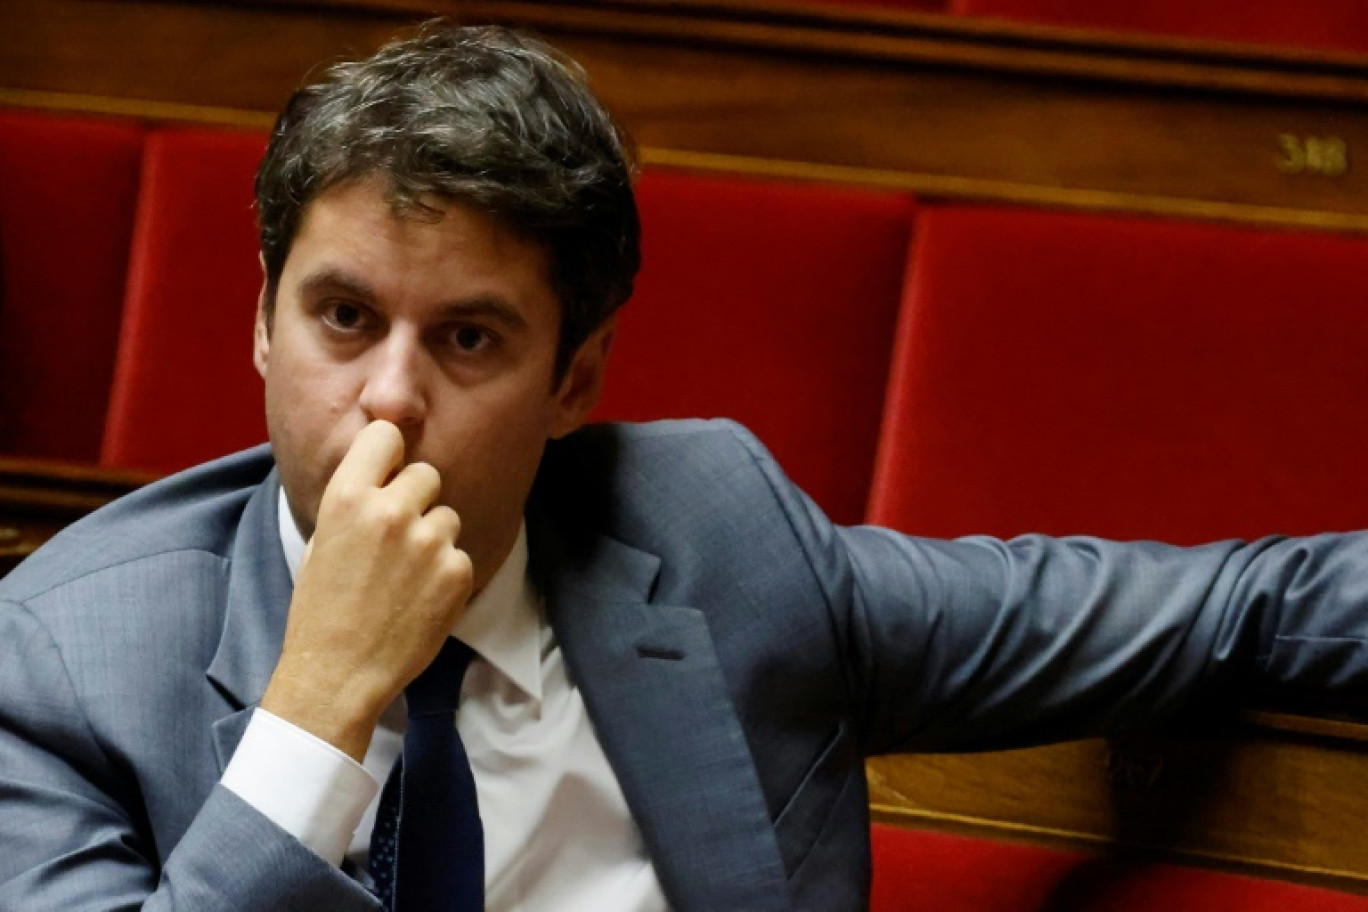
(470, 338)
(344, 316)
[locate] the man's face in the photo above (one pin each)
(447, 329)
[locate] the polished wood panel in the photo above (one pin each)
(39, 498)
(1265, 797)
(939, 106)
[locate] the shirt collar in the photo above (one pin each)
(503, 623)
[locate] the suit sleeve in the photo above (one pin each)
(977, 644)
(72, 837)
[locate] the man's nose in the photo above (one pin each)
(395, 389)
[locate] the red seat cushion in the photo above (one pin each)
(67, 192)
(771, 303)
(919, 869)
(1328, 24)
(185, 389)
(1134, 378)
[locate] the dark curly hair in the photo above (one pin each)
(484, 115)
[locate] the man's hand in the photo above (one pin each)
(380, 586)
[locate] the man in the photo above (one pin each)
(680, 662)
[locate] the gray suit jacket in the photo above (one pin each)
(739, 656)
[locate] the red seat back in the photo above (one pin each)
(771, 303)
(1340, 25)
(1128, 377)
(67, 192)
(185, 389)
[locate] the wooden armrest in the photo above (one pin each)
(38, 498)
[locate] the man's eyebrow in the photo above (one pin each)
(489, 307)
(333, 281)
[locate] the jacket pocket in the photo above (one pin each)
(800, 824)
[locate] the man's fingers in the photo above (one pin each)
(445, 521)
(417, 485)
(373, 455)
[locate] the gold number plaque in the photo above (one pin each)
(1327, 156)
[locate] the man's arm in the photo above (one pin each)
(1040, 639)
(978, 644)
(75, 837)
(377, 595)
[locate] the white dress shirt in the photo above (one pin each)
(558, 834)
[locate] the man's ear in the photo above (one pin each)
(261, 334)
(582, 384)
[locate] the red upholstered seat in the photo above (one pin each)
(771, 303)
(185, 389)
(67, 192)
(919, 869)
(1327, 24)
(1129, 377)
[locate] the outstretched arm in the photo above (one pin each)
(979, 644)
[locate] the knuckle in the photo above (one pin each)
(434, 530)
(448, 520)
(460, 571)
(385, 514)
(342, 496)
(426, 538)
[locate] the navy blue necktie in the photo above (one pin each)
(427, 850)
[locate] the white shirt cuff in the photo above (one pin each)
(301, 783)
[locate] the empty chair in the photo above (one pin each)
(1128, 377)
(68, 186)
(185, 389)
(771, 303)
(1132, 378)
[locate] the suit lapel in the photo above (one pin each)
(656, 693)
(651, 681)
(257, 605)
